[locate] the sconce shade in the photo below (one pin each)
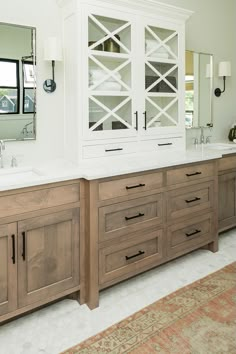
(52, 49)
(224, 68)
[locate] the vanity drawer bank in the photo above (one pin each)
(140, 220)
(227, 192)
(41, 246)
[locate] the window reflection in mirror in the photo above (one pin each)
(17, 82)
(198, 89)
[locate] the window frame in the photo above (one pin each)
(13, 87)
(25, 88)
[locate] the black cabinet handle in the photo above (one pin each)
(145, 120)
(163, 144)
(134, 217)
(136, 186)
(136, 119)
(193, 233)
(135, 255)
(118, 149)
(23, 245)
(192, 200)
(13, 249)
(193, 174)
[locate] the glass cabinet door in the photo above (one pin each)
(161, 78)
(110, 102)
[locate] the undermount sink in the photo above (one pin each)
(16, 174)
(221, 146)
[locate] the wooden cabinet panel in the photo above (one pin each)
(227, 163)
(48, 255)
(127, 186)
(190, 173)
(121, 259)
(29, 201)
(188, 235)
(189, 200)
(122, 218)
(8, 268)
(227, 201)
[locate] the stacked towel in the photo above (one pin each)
(160, 52)
(96, 75)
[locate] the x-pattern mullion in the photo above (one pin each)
(110, 34)
(161, 111)
(161, 77)
(110, 73)
(111, 112)
(161, 42)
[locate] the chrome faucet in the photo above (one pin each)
(202, 135)
(2, 148)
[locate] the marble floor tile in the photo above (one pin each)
(66, 323)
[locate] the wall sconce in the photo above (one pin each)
(224, 70)
(52, 52)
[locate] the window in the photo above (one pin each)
(9, 86)
(29, 87)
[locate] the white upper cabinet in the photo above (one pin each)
(124, 87)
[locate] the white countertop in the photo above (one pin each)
(62, 170)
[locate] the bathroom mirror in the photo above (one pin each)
(198, 89)
(17, 82)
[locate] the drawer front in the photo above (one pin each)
(131, 185)
(39, 199)
(227, 163)
(163, 144)
(186, 236)
(106, 150)
(122, 218)
(190, 173)
(189, 200)
(127, 257)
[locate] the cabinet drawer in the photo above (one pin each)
(187, 235)
(131, 185)
(189, 200)
(20, 203)
(127, 257)
(106, 150)
(122, 218)
(163, 144)
(190, 173)
(227, 163)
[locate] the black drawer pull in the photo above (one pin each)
(136, 119)
(193, 233)
(135, 255)
(134, 217)
(23, 245)
(118, 149)
(163, 144)
(193, 174)
(136, 186)
(13, 249)
(192, 200)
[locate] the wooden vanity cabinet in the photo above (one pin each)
(138, 221)
(41, 255)
(227, 192)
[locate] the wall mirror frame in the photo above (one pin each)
(198, 89)
(17, 82)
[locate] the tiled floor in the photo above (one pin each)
(66, 323)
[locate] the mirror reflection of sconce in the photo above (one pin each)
(224, 70)
(52, 52)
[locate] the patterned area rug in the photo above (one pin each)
(198, 319)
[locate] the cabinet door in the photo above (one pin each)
(8, 268)
(162, 73)
(48, 255)
(227, 201)
(108, 69)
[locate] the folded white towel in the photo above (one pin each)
(151, 44)
(107, 86)
(159, 55)
(96, 75)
